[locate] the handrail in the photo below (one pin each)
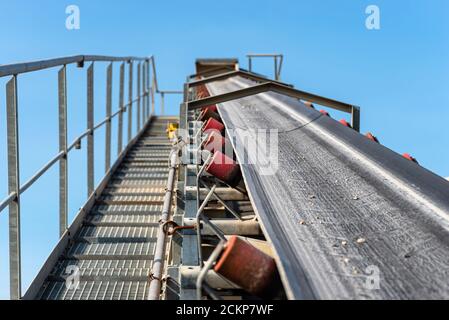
(25, 67)
(278, 62)
(60, 155)
(144, 107)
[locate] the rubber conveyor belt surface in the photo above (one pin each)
(340, 207)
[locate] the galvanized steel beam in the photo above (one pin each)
(108, 118)
(63, 169)
(13, 187)
(90, 126)
(121, 109)
(281, 89)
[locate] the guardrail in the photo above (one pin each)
(145, 107)
(278, 61)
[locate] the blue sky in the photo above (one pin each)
(398, 75)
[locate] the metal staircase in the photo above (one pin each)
(109, 246)
(113, 250)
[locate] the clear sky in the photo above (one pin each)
(398, 75)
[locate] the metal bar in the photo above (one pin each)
(130, 102)
(90, 136)
(250, 64)
(232, 74)
(121, 109)
(63, 170)
(198, 221)
(207, 266)
(25, 67)
(171, 92)
(138, 111)
(153, 94)
(159, 255)
(281, 62)
(263, 55)
(162, 103)
(148, 88)
(41, 172)
(7, 201)
(108, 118)
(13, 187)
(155, 82)
(211, 72)
(227, 226)
(355, 118)
(270, 86)
(189, 275)
(144, 91)
(276, 72)
(220, 200)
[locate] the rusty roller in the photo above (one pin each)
(225, 169)
(309, 104)
(409, 157)
(249, 268)
(345, 123)
(372, 137)
(325, 113)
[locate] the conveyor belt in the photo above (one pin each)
(114, 247)
(340, 206)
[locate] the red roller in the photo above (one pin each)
(207, 113)
(249, 268)
(370, 136)
(324, 112)
(309, 104)
(225, 169)
(212, 108)
(345, 123)
(213, 124)
(216, 142)
(409, 157)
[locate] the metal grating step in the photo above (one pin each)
(123, 219)
(121, 209)
(125, 170)
(141, 176)
(119, 199)
(136, 191)
(128, 232)
(96, 290)
(123, 250)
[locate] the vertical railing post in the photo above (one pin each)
(153, 93)
(90, 126)
(139, 71)
(276, 73)
(63, 170)
(13, 187)
(144, 94)
(162, 103)
(130, 102)
(108, 116)
(121, 109)
(148, 90)
(355, 114)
